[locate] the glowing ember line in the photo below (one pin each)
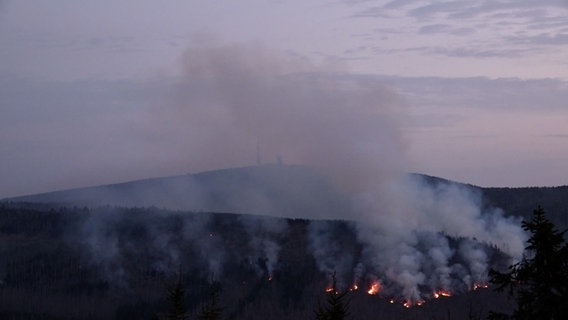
(480, 286)
(441, 293)
(408, 303)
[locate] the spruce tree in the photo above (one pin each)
(176, 296)
(211, 309)
(337, 306)
(539, 283)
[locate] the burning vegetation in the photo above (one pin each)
(374, 288)
(441, 293)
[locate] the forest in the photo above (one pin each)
(117, 252)
(112, 262)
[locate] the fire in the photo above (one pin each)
(374, 289)
(480, 286)
(329, 289)
(408, 303)
(354, 287)
(441, 293)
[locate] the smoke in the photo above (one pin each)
(406, 229)
(263, 234)
(232, 98)
(331, 252)
(197, 231)
(103, 245)
(476, 258)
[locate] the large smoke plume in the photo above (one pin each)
(233, 98)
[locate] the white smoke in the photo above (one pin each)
(263, 233)
(476, 257)
(231, 97)
(103, 247)
(331, 254)
(406, 229)
(197, 232)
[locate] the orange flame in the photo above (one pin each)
(354, 287)
(329, 289)
(480, 286)
(408, 303)
(441, 293)
(374, 289)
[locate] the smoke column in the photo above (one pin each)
(231, 97)
(263, 232)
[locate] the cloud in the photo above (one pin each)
(511, 94)
(445, 29)
(543, 39)
(468, 52)
(479, 30)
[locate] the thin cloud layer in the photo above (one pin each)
(472, 29)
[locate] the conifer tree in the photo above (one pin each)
(337, 307)
(176, 296)
(211, 309)
(539, 283)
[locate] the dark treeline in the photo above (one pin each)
(522, 201)
(107, 262)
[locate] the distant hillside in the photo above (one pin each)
(518, 201)
(275, 190)
(522, 201)
(110, 251)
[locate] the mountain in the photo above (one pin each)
(112, 251)
(276, 190)
(280, 190)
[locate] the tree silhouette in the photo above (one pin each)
(337, 307)
(539, 283)
(176, 296)
(211, 309)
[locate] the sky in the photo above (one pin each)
(91, 91)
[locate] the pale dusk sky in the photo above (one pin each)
(482, 86)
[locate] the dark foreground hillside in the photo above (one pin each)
(104, 263)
